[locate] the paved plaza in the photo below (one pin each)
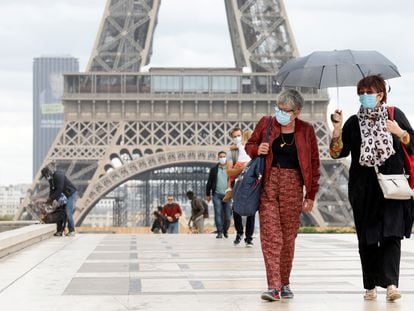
(186, 272)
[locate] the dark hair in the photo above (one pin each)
(373, 82)
(235, 129)
(220, 152)
(159, 208)
(190, 194)
(46, 171)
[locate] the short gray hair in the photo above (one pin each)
(292, 98)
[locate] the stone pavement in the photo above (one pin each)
(186, 272)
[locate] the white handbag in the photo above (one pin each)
(394, 187)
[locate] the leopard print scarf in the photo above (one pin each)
(376, 146)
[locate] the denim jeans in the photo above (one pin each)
(172, 227)
(69, 210)
(222, 213)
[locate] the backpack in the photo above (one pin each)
(248, 186)
(205, 212)
(408, 158)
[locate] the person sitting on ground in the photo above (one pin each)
(242, 159)
(159, 224)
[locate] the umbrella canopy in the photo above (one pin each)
(335, 68)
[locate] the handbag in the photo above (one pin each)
(408, 158)
(394, 187)
(248, 185)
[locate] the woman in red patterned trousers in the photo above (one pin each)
(292, 165)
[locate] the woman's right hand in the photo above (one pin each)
(263, 149)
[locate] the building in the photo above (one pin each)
(101, 215)
(47, 105)
(10, 197)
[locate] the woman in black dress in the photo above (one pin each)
(373, 139)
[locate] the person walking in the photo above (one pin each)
(242, 160)
(373, 140)
(197, 212)
(292, 161)
(59, 184)
(234, 170)
(216, 188)
(172, 211)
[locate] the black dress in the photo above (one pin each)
(380, 223)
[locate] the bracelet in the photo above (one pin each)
(405, 138)
(403, 134)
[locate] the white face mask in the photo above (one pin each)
(222, 161)
(237, 140)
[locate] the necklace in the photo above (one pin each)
(285, 143)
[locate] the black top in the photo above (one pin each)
(376, 217)
(285, 153)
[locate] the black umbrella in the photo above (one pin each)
(325, 69)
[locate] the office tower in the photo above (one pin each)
(47, 102)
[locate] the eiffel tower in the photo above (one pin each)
(150, 121)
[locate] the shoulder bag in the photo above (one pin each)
(248, 186)
(394, 187)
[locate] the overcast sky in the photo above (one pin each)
(189, 33)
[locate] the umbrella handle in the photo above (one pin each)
(333, 119)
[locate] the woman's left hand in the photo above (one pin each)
(394, 128)
(307, 205)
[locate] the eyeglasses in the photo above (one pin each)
(277, 109)
(369, 92)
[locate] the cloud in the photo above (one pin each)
(192, 38)
(16, 150)
(355, 7)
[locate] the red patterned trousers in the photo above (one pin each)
(280, 207)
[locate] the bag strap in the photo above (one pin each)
(406, 155)
(234, 156)
(266, 140)
(391, 112)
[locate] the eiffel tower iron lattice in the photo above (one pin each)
(166, 117)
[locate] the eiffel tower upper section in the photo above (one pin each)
(260, 33)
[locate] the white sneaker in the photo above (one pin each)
(370, 294)
(393, 293)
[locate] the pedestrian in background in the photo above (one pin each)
(197, 212)
(160, 222)
(216, 188)
(59, 184)
(234, 170)
(172, 211)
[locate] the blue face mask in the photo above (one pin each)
(282, 117)
(368, 101)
